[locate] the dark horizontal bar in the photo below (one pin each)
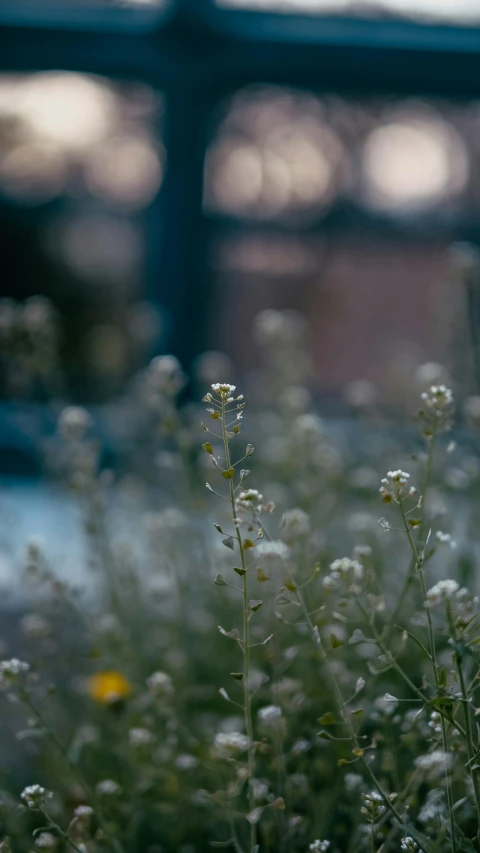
(224, 49)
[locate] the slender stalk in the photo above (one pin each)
(247, 699)
(433, 657)
(422, 841)
(59, 830)
(471, 748)
(428, 477)
(115, 844)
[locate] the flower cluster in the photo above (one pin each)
(408, 845)
(35, 797)
(442, 591)
(345, 576)
(373, 807)
(226, 743)
(160, 684)
(319, 846)
(395, 487)
(437, 414)
(438, 397)
(11, 671)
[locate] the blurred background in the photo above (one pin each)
(170, 168)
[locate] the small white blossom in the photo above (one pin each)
(165, 376)
(35, 797)
(388, 703)
(435, 762)
(270, 715)
(140, 737)
(319, 846)
(83, 812)
(74, 423)
(273, 548)
(445, 539)
(249, 499)
(353, 781)
(108, 787)
(345, 575)
(45, 840)
(160, 683)
(223, 388)
(11, 671)
(395, 486)
(295, 524)
(438, 397)
(408, 845)
(442, 591)
(231, 742)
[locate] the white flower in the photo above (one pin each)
(445, 539)
(319, 846)
(395, 486)
(223, 388)
(45, 840)
(438, 397)
(13, 667)
(108, 787)
(35, 797)
(231, 742)
(164, 375)
(345, 575)
(295, 524)
(160, 683)
(11, 671)
(435, 762)
(73, 423)
(140, 737)
(83, 812)
(353, 781)
(249, 499)
(408, 844)
(388, 703)
(270, 715)
(442, 591)
(273, 548)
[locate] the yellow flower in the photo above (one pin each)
(108, 687)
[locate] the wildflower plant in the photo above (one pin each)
(223, 674)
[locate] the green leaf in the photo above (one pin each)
(261, 576)
(328, 719)
(241, 572)
(217, 528)
(229, 473)
(238, 676)
(207, 447)
(255, 604)
(335, 642)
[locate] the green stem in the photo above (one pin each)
(116, 846)
(471, 748)
(315, 634)
(247, 699)
(59, 830)
(428, 476)
(433, 657)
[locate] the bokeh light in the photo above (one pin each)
(64, 132)
(412, 161)
(273, 156)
